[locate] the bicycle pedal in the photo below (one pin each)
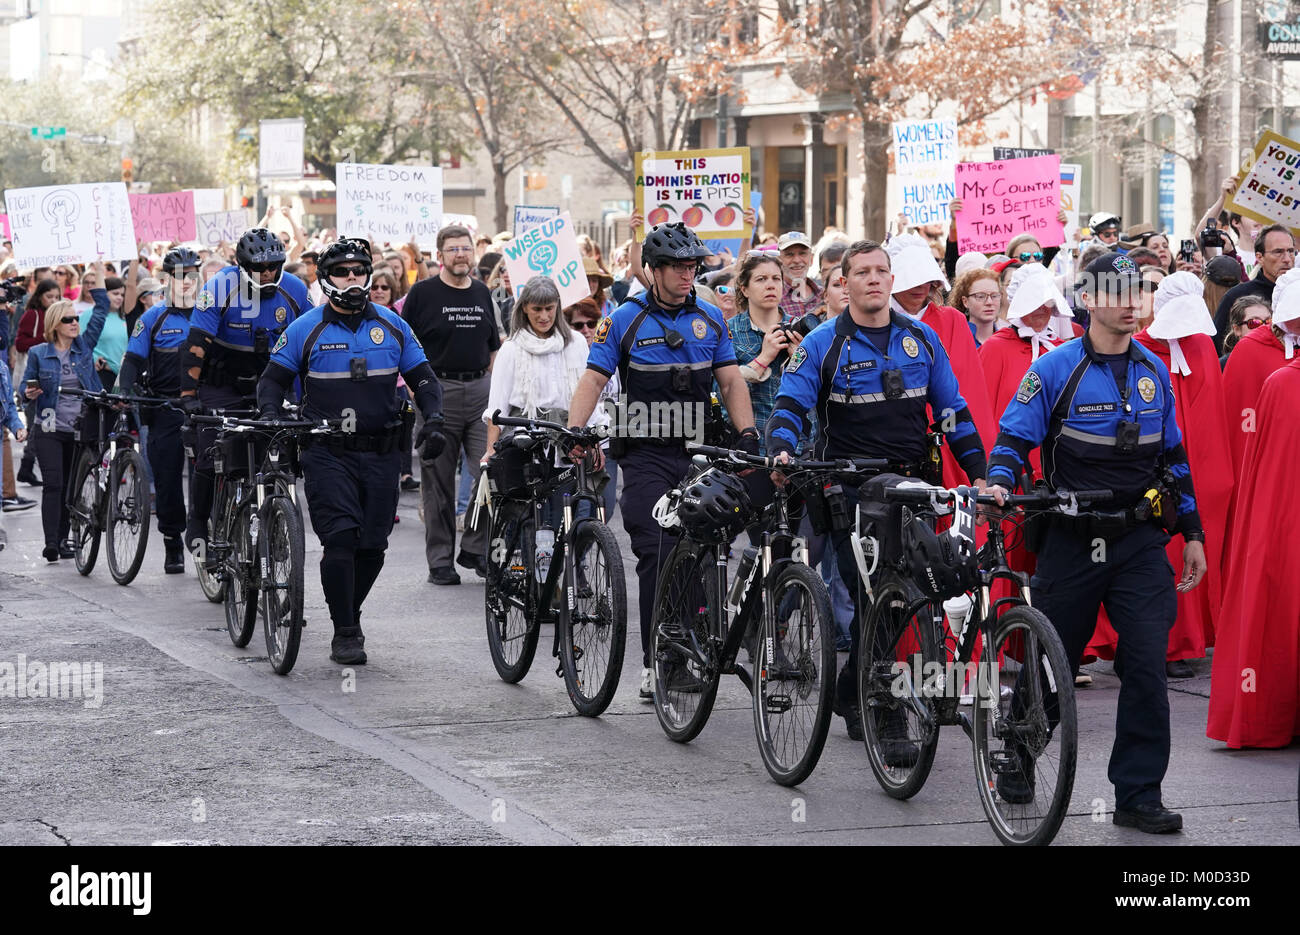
(778, 704)
(1004, 761)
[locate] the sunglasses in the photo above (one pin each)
(722, 290)
(381, 285)
(69, 320)
(1253, 323)
(263, 267)
(1035, 256)
(584, 324)
(358, 271)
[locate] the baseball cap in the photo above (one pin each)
(1112, 273)
(1223, 270)
(793, 239)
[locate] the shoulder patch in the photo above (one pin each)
(796, 359)
(602, 331)
(280, 343)
(1029, 387)
(205, 299)
(139, 327)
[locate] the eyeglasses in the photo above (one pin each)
(1280, 252)
(1035, 256)
(455, 250)
(584, 324)
(60, 272)
(1253, 323)
(985, 296)
(722, 290)
(69, 320)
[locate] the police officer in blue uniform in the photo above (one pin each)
(348, 354)
(153, 361)
(869, 375)
(667, 347)
(1101, 409)
(238, 316)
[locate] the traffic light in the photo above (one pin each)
(128, 170)
(246, 202)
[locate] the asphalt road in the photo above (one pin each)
(199, 742)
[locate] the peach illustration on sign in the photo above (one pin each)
(659, 215)
(694, 215)
(726, 215)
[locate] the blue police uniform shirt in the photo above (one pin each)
(320, 347)
(839, 373)
(1070, 405)
(227, 313)
(633, 342)
(158, 342)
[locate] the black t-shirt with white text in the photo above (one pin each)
(456, 326)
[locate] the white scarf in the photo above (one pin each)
(1043, 340)
(893, 304)
(527, 368)
(1289, 342)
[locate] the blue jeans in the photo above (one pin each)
(467, 473)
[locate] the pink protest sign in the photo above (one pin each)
(4, 226)
(1002, 199)
(169, 216)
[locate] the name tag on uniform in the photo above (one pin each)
(331, 347)
(858, 365)
(648, 342)
(171, 331)
(1094, 409)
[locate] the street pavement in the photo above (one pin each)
(199, 742)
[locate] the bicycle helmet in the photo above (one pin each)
(670, 243)
(179, 259)
(942, 565)
(258, 249)
(347, 250)
(714, 507)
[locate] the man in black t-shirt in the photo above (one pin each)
(451, 314)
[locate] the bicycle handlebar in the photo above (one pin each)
(544, 426)
(925, 494)
(841, 466)
(272, 425)
(104, 397)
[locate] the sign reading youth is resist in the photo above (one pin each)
(706, 189)
(168, 216)
(551, 250)
(389, 203)
(925, 154)
(1269, 189)
(1002, 199)
(57, 224)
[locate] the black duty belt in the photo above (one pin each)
(1098, 524)
(381, 443)
(463, 376)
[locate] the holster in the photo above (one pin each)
(407, 416)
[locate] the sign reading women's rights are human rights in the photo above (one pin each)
(925, 155)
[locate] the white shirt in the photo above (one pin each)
(553, 389)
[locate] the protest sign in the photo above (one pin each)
(467, 221)
(4, 226)
(57, 224)
(389, 203)
(706, 189)
(734, 246)
(1269, 189)
(1003, 153)
(1003, 199)
(925, 154)
(168, 216)
(1071, 192)
(209, 200)
(527, 216)
(221, 225)
(279, 148)
(550, 249)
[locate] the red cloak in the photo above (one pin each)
(954, 333)
(1198, 407)
(1251, 362)
(1255, 682)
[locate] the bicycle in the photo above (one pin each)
(590, 615)
(109, 490)
(775, 604)
(1024, 728)
(212, 584)
(258, 551)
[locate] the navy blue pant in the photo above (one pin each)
(202, 480)
(167, 461)
(648, 473)
(1132, 577)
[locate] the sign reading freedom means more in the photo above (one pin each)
(706, 189)
(393, 203)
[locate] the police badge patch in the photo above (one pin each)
(139, 329)
(910, 347)
(1029, 387)
(281, 314)
(1147, 389)
(205, 300)
(280, 343)
(797, 358)
(602, 331)
(377, 335)
(699, 327)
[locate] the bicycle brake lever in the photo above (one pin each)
(1071, 506)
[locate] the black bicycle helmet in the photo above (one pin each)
(347, 250)
(179, 259)
(714, 507)
(671, 243)
(260, 248)
(940, 566)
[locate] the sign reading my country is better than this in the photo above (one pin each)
(1269, 190)
(925, 155)
(1002, 199)
(551, 250)
(57, 224)
(706, 189)
(389, 203)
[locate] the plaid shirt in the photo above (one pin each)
(748, 342)
(793, 307)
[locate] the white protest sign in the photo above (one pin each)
(221, 225)
(279, 148)
(388, 203)
(1268, 190)
(1071, 190)
(925, 160)
(208, 200)
(527, 216)
(71, 223)
(550, 249)
(467, 221)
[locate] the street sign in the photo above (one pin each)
(49, 133)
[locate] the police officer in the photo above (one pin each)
(238, 316)
(1102, 410)
(348, 354)
(667, 347)
(870, 375)
(153, 360)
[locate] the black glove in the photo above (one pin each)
(431, 441)
(191, 405)
(748, 441)
(268, 413)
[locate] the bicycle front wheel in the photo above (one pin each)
(512, 594)
(683, 653)
(85, 519)
(593, 632)
(240, 575)
(211, 582)
(128, 515)
(281, 547)
(794, 675)
(1026, 728)
(900, 723)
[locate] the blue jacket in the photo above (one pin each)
(1070, 405)
(43, 362)
(12, 420)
